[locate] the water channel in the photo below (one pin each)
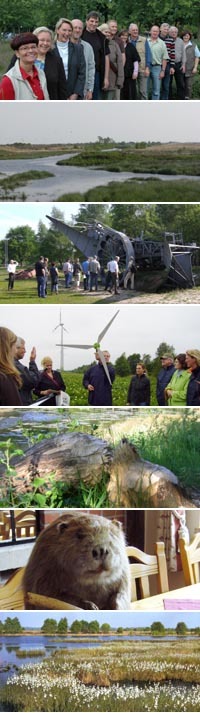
(10, 646)
(69, 179)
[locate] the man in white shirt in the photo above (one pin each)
(68, 272)
(114, 270)
(11, 269)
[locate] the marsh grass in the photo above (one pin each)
(137, 160)
(20, 179)
(175, 445)
(30, 653)
(113, 677)
(139, 190)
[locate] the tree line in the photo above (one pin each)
(125, 365)
(11, 626)
(152, 221)
(26, 15)
(52, 627)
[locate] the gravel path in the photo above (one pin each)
(190, 296)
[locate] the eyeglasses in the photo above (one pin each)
(27, 48)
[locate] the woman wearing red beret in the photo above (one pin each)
(24, 80)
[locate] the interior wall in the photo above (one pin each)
(176, 579)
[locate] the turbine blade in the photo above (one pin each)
(65, 330)
(103, 362)
(76, 346)
(54, 330)
(101, 335)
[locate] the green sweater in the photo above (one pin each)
(178, 385)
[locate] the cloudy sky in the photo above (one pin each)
(15, 214)
(60, 122)
(137, 328)
(115, 619)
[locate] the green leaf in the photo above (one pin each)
(38, 482)
(40, 500)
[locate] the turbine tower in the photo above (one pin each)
(95, 346)
(61, 325)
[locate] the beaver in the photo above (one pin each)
(81, 558)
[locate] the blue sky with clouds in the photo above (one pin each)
(13, 214)
(136, 329)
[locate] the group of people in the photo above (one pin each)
(93, 61)
(20, 384)
(87, 275)
(178, 381)
(42, 272)
(92, 272)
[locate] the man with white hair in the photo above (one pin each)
(96, 381)
(180, 60)
(142, 46)
(159, 58)
(170, 66)
(94, 269)
(89, 58)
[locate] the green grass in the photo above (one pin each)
(20, 179)
(79, 395)
(139, 190)
(25, 291)
(173, 162)
(175, 445)
(5, 56)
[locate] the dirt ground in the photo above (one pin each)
(190, 296)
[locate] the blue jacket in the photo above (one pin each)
(102, 394)
(163, 379)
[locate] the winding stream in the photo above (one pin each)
(68, 179)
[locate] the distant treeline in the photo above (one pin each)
(21, 16)
(152, 221)
(52, 627)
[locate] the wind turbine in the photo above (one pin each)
(96, 346)
(61, 324)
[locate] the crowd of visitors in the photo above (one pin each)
(89, 275)
(80, 61)
(178, 380)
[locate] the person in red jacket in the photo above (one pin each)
(24, 80)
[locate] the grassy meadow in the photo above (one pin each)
(149, 190)
(172, 159)
(139, 676)
(25, 292)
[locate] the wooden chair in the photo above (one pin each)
(190, 558)
(5, 525)
(25, 523)
(146, 566)
(12, 596)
